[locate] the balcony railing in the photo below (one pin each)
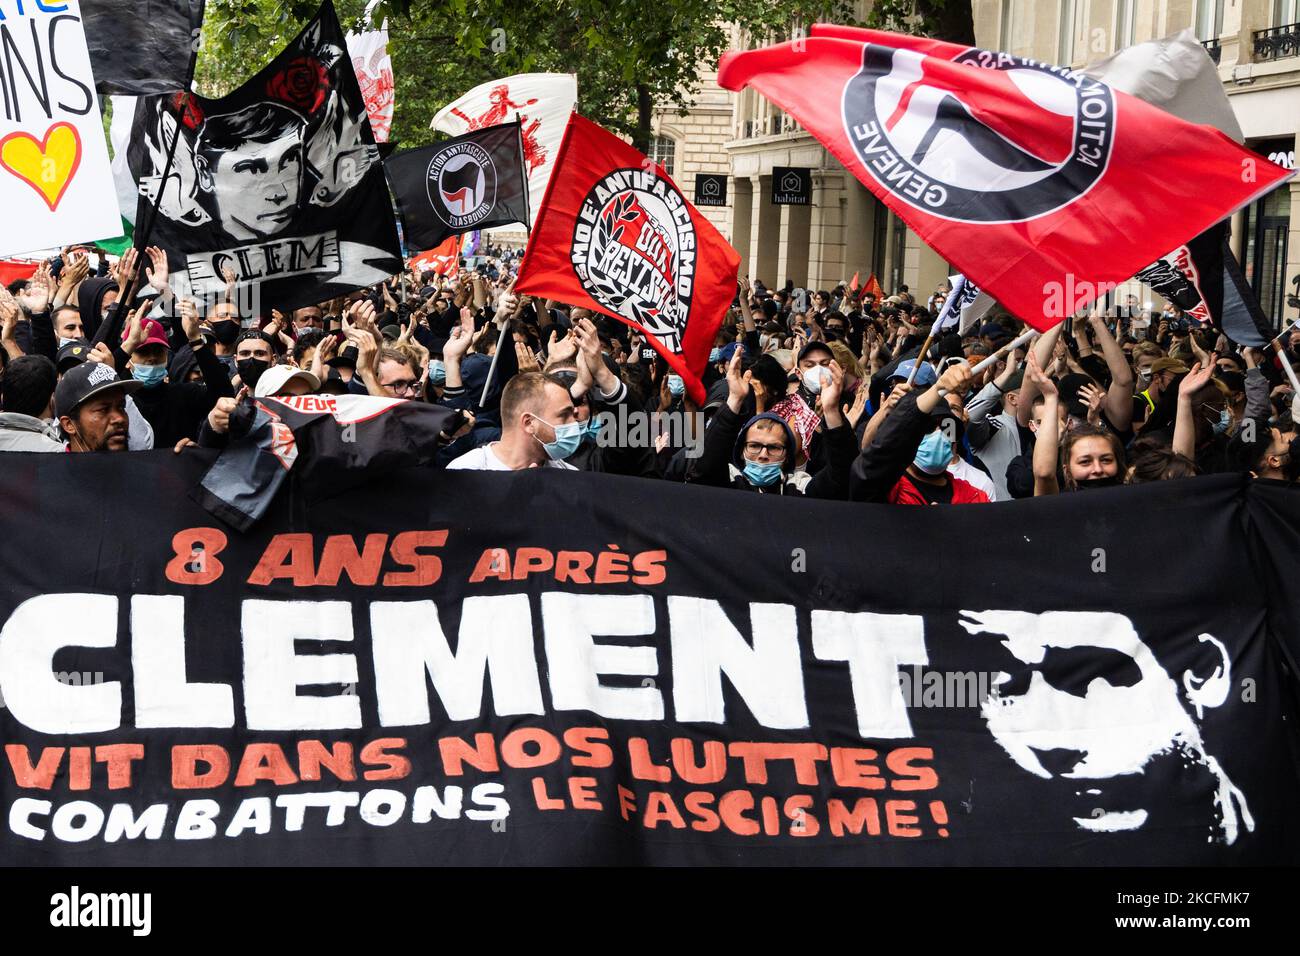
(1212, 47)
(1276, 43)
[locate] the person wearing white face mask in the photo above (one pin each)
(67, 325)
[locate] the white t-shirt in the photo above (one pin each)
(483, 458)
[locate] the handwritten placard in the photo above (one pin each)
(56, 186)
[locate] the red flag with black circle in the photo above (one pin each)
(1039, 183)
(617, 236)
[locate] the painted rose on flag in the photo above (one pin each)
(303, 84)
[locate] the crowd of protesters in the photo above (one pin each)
(817, 393)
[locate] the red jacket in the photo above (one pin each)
(905, 492)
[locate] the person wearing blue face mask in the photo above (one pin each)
(174, 409)
(538, 428)
(760, 454)
(906, 461)
(597, 394)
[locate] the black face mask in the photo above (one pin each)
(1109, 481)
(225, 332)
(250, 370)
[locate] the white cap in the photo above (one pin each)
(277, 377)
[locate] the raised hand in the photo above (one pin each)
(219, 417)
(526, 357)
(461, 336)
(157, 271)
(1195, 380)
(561, 349)
(9, 313)
(135, 334)
(40, 291)
(830, 393)
(124, 270)
(102, 354)
(1038, 376)
(737, 387)
(1092, 397)
(859, 405)
(189, 311)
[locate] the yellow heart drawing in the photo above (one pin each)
(48, 166)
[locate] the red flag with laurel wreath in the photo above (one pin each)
(617, 236)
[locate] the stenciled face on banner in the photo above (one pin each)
(258, 180)
(634, 251)
(1097, 729)
(951, 153)
(462, 184)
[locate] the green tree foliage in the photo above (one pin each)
(950, 20)
(629, 55)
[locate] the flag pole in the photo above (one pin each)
(501, 324)
(1286, 366)
(920, 356)
(1289, 326)
(143, 236)
(1004, 350)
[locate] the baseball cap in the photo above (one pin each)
(993, 331)
(815, 346)
(85, 381)
(926, 375)
(346, 356)
(72, 354)
(729, 350)
(1168, 365)
(153, 334)
(278, 376)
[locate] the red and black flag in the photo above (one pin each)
(616, 235)
(331, 442)
(1039, 183)
(475, 181)
(1203, 279)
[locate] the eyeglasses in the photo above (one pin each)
(756, 448)
(409, 386)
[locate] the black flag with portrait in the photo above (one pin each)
(279, 181)
(475, 181)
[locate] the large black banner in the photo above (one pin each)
(279, 182)
(490, 668)
(475, 181)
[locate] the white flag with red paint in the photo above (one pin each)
(542, 101)
(370, 61)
